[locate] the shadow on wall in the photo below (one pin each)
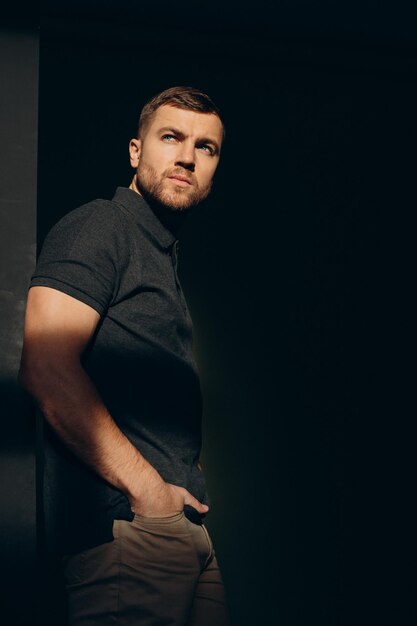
(17, 504)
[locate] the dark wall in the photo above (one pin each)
(18, 158)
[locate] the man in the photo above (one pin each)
(107, 356)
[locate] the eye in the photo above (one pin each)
(206, 148)
(169, 137)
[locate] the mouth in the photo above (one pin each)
(180, 180)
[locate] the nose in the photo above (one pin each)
(185, 156)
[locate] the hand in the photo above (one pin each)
(165, 500)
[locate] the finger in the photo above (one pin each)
(191, 501)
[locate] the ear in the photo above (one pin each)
(135, 147)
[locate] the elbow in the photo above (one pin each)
(35, 375)
(27, 377)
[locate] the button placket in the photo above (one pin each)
(174, 258)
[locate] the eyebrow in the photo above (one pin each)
(182, 135)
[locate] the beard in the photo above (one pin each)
(157, 189)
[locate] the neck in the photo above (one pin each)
(172, 220)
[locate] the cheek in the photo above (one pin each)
(154, 158)
(155, 168)
(207, 175)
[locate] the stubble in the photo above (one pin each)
(158, 188)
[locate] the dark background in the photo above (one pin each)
(318, 170)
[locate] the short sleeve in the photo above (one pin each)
(79, 256)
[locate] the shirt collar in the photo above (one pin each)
(144, 216)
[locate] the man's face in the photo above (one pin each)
(176, 157)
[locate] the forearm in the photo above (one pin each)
(72, 406)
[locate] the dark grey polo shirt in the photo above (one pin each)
(118, 257)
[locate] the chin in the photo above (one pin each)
(174, 204)
(178, 201)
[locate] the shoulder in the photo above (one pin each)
(99, 213)
(85, 253)
(99, 223)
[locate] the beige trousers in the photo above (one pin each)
(156, 572)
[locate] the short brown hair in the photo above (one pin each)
(182, 98)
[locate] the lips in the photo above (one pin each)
(183, 179)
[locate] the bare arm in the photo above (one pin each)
(57, 330)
